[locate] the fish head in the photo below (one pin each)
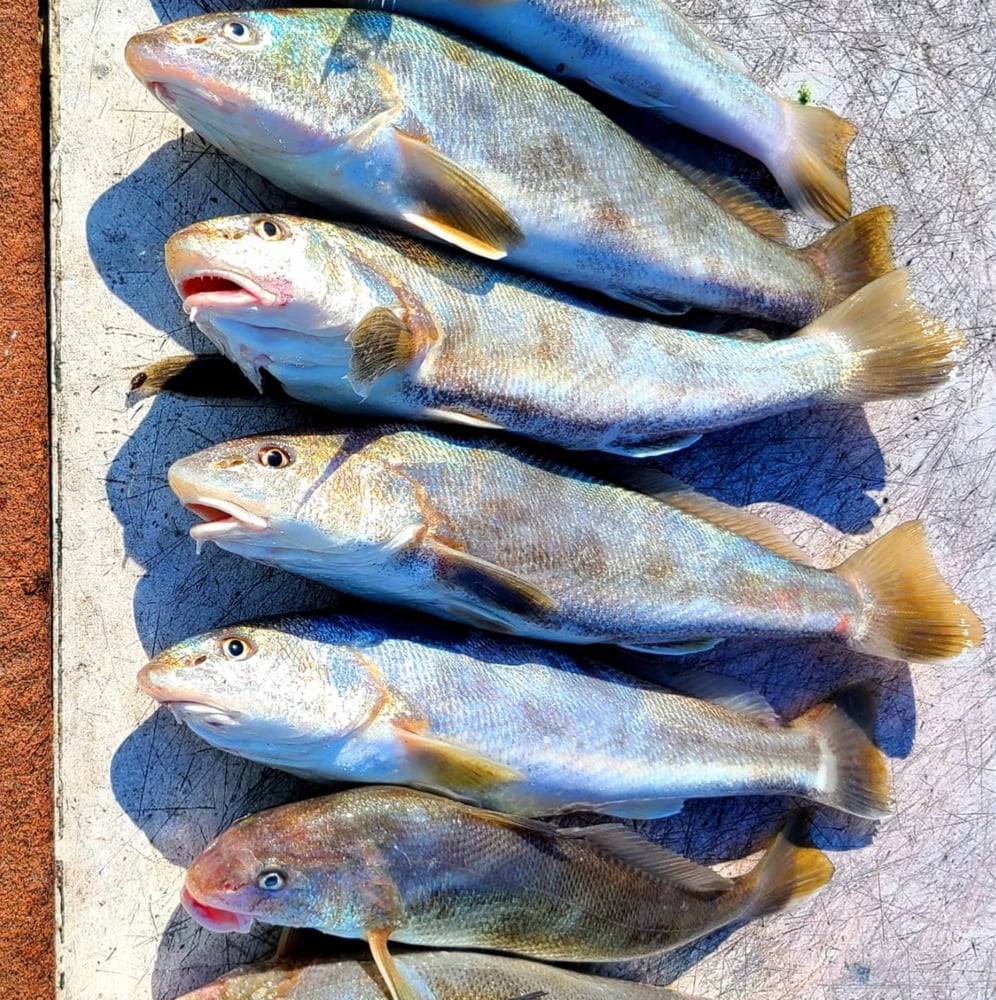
(268, 289)
(279, 692)
(315, 863)
(310, 503)
(256, 82)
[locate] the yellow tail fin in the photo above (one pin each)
(854, 253)
(889, 346)
(910, 611)
(814, 178)
(853, 773)
(786, 874)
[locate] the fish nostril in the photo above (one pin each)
(201, 40)
(200, 659)
(229, 463)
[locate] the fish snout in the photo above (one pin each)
(144, 56)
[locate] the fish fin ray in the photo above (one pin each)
(814, 174)
(853, 772)
(462, 417)
(452, 204)
(398, 984)
(456, 767)
(662, 307)
(195, 376)
(677, 494)
(685, 648)
(627, 845)
(728, 693)
(497, 586)
(854, 253)
(910, 611)
(894, 348)
(737, 199)
(653, 449)
(785, 874)
(381, 344)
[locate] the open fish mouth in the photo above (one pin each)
(214, 918)
(223, 290)
(221, 518)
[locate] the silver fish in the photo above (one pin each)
(406, 123)
(505, 725)
(647, 54)
(348, 321)
(490, 535)
(459, 975)
(390, 864)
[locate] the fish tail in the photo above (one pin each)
(195, 376)
(891, 347)
(854, 253)
(910, 612)
(814, 174)
(785, 874)
(852, 775)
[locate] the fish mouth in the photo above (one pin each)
(217, 289)
(221, 518)
(215, 918)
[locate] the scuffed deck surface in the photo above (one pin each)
(911, 912)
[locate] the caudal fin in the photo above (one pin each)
(196, 376)
(786, 874)
(854, 253)
(814, 174)
(910, 612)
(890, 347)
(853, 775)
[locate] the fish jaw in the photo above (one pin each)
(215, 918)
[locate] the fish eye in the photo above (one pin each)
(274, 457)
(271, 879)
(235, 648)
(268, 229)
(238, 31)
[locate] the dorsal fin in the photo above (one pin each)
(737, 199)
(731, 694)
(667, 489)
(627, 845)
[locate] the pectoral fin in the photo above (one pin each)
(398, 984)
(452, 205)
(492, 584)
(381, 344)
(456, 768)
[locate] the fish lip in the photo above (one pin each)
(220, 518)
(248, 293)
(215, 918)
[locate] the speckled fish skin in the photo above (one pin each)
(383, 862)
(462, 975)
(344, 108)
(505, 725)
(487, 534)
(351, 319)
(647, 54)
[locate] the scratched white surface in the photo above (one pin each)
(911, 912)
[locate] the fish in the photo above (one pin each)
(358, 321)
(384, 864)
(516, 727)
(486, 533)
(648, 54)
(389, 118)
(458, 975)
